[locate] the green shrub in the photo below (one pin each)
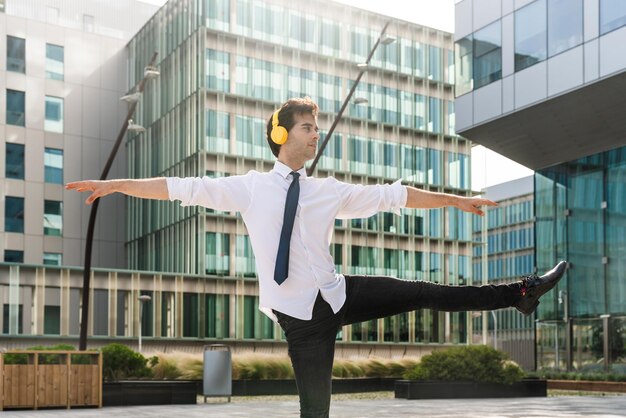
(593, 376)
(48, 358)
(120, 362)
(467, 363)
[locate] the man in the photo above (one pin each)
(290, 219)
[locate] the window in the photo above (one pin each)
(14, 161)
(53, 218)
(52, 320)
(612, 15)
(53, 166)
(12, 317)
(15, 108)
(54, 62)
(218, 70)
(190, 314)
(217, 309)
(434, 115)
(487, 55)
(530, 35)
(218, 14)
(464, 57)
(565, 25)
(52, 259)
(217, 253)
(54, 114)
(2, 6)
(13, 256)
(435, 63)
(217, 131)
(16, 54)
(14, 214)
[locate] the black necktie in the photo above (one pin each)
(291, 204)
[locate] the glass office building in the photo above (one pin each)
(507, 253)
(226, 65)
(542, 82)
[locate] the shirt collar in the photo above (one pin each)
(284, 171)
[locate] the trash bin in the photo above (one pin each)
(218, 371)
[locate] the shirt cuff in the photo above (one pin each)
(400, 197)
(173, 188)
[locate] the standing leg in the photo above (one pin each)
(312, 349)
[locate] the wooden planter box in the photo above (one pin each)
(415, 389)
(36, 385)
(587, 385)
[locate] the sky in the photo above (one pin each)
(488, 168)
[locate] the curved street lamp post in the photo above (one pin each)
(132, 99)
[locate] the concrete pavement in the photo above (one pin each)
(552, 407)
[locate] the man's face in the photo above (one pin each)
(301, 144)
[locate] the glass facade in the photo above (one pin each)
(542, 29)
(16, 54)
(506, 252)
(54, 62)
(16, 108)
(14, 162)
(53, 165)
(241, 75)
(54, 114)
(531, 34)
(581, 212)
(14, 214)
(13, 256)
(53, 217)
(612, 15)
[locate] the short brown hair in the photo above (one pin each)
(295, 106)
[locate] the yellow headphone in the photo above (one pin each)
(279, 133)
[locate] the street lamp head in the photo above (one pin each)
(387, 39)
(151, 72)
(363, 66)
(131, 98)
(134, 127)
(360, 100)
(144, 298)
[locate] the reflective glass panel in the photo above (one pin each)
(15, 108)
(530, 35)
(54, 62)
(612, 15)
(16, 54)
(464, 61)
(487, 55)
(14, 161)
(54, 114)
(53, 217)
(565, 25)
(14, 214)
(53, 162)
(13, 256)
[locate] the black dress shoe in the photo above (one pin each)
(534, 287)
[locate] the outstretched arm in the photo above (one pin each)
(154, 188)
(424, 199)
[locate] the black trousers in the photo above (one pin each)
(312, 343)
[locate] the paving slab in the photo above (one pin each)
(551, 407)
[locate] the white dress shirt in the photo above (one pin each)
(260, 197)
